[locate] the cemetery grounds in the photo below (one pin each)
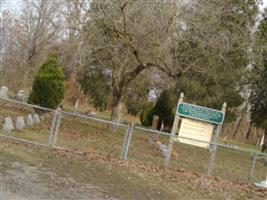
(85, 165)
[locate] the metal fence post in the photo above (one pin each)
(214, 146)
(52, 138)
(251, 174)
(55, 135)
(127, 141)
(124, 141)
(52, 130)
(173, 133)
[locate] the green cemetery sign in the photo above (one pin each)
(200, 113)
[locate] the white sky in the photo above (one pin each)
(265, 3)
(14, 3)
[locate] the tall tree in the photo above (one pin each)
(127, 37)
(30, 35)
(258, 99)
(221, 52)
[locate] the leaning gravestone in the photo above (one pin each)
(29, 121)
(36, 119)
(20, 124)
(8, 126)
(3, 92)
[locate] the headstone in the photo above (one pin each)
(3, 92)
(77, 104)
(20, 96)
(8, 126)
(36, 119)
(29, 121)
(258, 142)
(162, 127)
(164, 149)
(20, 124)
(155, 121)
(262, 141)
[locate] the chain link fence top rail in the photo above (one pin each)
(90, 134)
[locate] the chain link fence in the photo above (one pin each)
(90, 134)
(25, 121)
(189, 157)
(148, 146)
(85, 133)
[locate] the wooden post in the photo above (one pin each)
(173, 133)
(214, 146)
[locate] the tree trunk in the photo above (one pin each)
(248, 131)
(116, 114)
(264, 146)
(237, 126)
(257, 133)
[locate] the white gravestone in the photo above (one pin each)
(36, 119)
(3, 92)
(29, 121)
(20, 96)
(77, 104)
(262, 141)
(8, 126)
(20, 124)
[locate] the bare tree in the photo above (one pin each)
(39, 30)
(127, 37)
(30, 36)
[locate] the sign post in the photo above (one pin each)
(173, 132)
(198, 126)
(214, 146)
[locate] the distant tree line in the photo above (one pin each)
(119, 51)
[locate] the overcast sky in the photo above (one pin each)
(14, 3)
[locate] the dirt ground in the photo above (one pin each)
(29, 172)
(25, 182)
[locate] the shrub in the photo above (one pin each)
(146, 114)
(48, 87)
(163, 108)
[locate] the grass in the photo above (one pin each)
(123, 180)
(101, 114)
(85, 135)
(92, 136)
(241, 144)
